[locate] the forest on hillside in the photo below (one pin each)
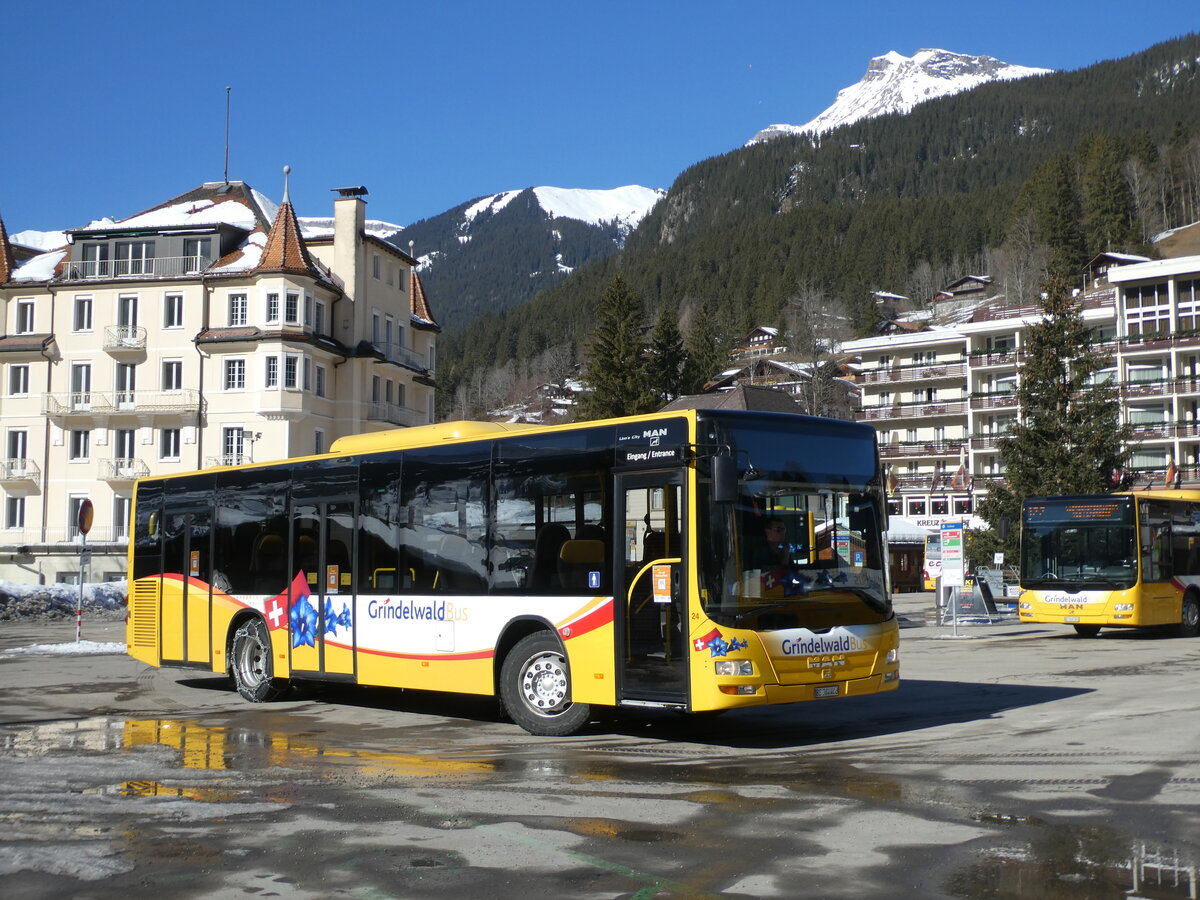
(1013, 179)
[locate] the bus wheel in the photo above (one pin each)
(1087, 631)
(535, 686)
(1189, 621)
(252, 668)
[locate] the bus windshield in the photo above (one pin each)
(1087, 542)
(800, 547)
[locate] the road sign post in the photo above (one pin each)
(84, 523)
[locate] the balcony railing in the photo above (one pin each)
(994, 401)
(227, 459)
(918, 372)
(13, 471)
(96, 403)
(917, 410)
(920, 448)
(395, 415)
(398, 353)
(112, 269)
(124, 337)
(123, 469)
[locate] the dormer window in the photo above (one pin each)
(197, 253)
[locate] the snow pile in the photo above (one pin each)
(58, 601)
(75, 648)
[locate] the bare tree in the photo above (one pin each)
(1026, 260)
(815, 334)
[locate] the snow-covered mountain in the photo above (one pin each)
(495, 252)
(895, 84)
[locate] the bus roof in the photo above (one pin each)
(1161, 494)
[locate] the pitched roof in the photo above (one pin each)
(285, 250)
(419, 304)
(743, 396)
(8, 262)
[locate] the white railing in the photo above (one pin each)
(160, 267)
(123, 469)
(227, 459)
(124, 337)
(19, 470)
(100, 403)
(395, 415)
(398, 353)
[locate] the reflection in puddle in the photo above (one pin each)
(1090, 862)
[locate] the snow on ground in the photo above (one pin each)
(56, 601)
(75, 648)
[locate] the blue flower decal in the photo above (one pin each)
(333, 620)
(303, 619)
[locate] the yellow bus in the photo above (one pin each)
(618, 563)
(1112, 560)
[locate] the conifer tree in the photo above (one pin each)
(1069, 439)
(708, 347)
(1057, 213)
(616, 367)
(1107, 200)
(667, 356)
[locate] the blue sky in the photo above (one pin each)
(430, 104)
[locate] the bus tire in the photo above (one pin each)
(250, 660)
(1189, 616)
(1087, 631)
(535, 687)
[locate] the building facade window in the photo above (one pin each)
(18, 380)
(291, 368)
(272, 309)
(237, 310)
(375, 264)
(272, 372)
(80, 445)
(233, 444)
(18, 443)
(168, 444)
(25, 320)
(14, 512)
(83, 314)
(120, 517)
(291, 310)
(319, 318)
(319, 384)
(197, 253)
(235, 374)
(173, 311)
(306, 374)
(126, 382)
(318, 441)
(172, 374)
(309, 310)
(135, 257)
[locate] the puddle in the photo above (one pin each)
(216, 748)
(1077, 862)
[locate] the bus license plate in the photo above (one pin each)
(829, 690)
(1070, 619)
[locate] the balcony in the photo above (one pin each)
(404, 356)
(999, 400)
(122, 469)
(134, 269)
(124, 339)
(920, 448)
(227, 459)
(987, 358)
(98, 403)
(19, 471)
(395, 415)
(1147, 388)
(921, 409)
(919, 372)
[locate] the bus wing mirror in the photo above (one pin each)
(724, 478)
(1003, 526)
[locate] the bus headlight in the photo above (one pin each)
(1026, 606)
(893, 656)
(1123, 606)
(734, 667)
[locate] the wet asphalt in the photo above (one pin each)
(1014, 761)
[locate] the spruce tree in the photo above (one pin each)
(708, 347)
(1107, 201)
(667, 357)
(1069, 439)
(616, 367)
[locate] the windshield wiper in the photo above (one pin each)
(809, 603)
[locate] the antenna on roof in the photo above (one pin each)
(287, 197)
(227, 90)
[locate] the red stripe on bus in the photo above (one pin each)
(599, 617)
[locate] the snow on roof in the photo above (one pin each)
(316, 227)
(190, 212)
(884, 295)
(39, 240)
(40, 267)
(1128, 257)
(251, 256)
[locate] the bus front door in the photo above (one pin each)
(322, 601)
(650, 590)
(186, 611)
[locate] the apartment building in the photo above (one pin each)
(214, 329)
(941, 398)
